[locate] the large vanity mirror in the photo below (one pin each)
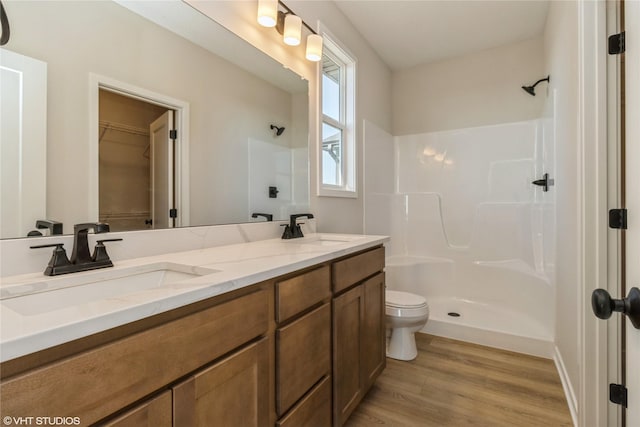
(105, 85)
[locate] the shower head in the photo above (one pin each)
(531, 90)
(279, 130)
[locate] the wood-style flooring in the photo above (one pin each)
(453, 383)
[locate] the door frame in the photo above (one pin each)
(614, 196)
(181, 108)
(593, 192)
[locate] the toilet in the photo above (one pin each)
(406, 314)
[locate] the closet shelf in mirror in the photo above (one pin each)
(106, 126)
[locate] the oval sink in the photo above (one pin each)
(66, 291)
(326, 239)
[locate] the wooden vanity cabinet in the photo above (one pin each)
(97, 383)
(155, 412)
(303, 349)
(313, 410)
(300, 350)
(232, 392)
(358, 329)
(373, 332)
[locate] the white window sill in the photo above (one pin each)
(334, 192)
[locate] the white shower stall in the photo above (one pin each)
(469, 231)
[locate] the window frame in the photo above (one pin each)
(347, 63)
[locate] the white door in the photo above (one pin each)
(23, 143)
(632, 100)
(162, 170)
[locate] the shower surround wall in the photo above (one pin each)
(469, 231)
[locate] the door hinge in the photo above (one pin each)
(618, 394)
(616, 44)
(173, 213)
(618, 219)
(173, 134)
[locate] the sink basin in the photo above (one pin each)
(73, 290)
(328, 239)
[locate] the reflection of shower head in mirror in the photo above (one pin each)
(531, 90)
(279, 130)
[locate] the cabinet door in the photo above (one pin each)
(373, 330)
(348, 318)
(155, 412)
(232, 392)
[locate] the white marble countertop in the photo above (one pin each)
(38, 312)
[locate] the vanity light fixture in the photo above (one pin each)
(289, 25)
(314, 47)
(268, 13)
(292, 30)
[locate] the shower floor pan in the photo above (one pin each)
(487, 325)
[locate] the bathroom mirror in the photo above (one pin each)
(226, 98)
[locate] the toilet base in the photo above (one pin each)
(402, 344)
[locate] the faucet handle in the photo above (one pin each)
(100, 251)
(58, 257)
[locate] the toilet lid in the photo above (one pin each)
(404, 299)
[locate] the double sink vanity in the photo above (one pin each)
(271, 332)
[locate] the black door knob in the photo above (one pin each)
(603, 305)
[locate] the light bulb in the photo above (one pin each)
(314, 47)
(267, 12)
(292, 29)
(429, 152)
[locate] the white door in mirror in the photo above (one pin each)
(23, 168)
(162, 167)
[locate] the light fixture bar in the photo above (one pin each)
(289, 25)
(293, 13)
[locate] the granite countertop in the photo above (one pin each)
(38, 312)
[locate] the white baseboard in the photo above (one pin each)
(566, 386)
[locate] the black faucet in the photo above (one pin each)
(80, 253)
(268, 217)
(54, 227)
(81, 259)
(293, 230)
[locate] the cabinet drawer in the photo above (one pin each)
(156, 412)
(352, 270)
(99, 382)
(303, 356)
(301, 292)
(314, 410)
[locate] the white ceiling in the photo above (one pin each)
(408, 33)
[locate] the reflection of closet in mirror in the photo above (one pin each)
(131, 141)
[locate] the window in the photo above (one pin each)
(338, 137)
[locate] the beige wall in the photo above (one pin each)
(373, 89)
(227, 104)
(481, 88)
(373, 104)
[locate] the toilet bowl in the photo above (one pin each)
(406, 314)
